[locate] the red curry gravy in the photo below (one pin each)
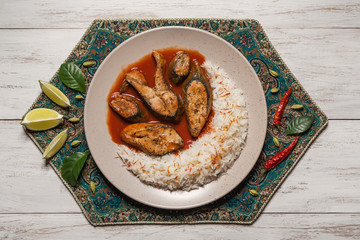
(147, 65)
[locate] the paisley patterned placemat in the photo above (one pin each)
(107, 205)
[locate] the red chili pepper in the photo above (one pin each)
(280, 110)
(278, 158)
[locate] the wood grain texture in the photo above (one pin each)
(273, 14)
(268, 226)
(26, 57)
(325, 180)
(317, 39)
(326, 62)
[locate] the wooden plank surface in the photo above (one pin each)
(275, 14)
(326, 61)
(317, 39)
(268, 226)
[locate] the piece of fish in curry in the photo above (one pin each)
(128, 107)
(162, 100)
(197, 96)
(152, 138)
(179, 67)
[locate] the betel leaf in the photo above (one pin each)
(72, 76)
(299, 125)
(72, 167)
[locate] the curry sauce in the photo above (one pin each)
(146, 65)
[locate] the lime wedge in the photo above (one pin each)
(56, 144)
(41, 119)
(54, 94)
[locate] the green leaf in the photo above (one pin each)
(299, 125)
(72, 167)
(72, 76)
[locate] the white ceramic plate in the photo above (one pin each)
(216, 50)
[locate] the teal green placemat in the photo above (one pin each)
(109, 206)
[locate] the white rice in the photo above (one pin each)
(207, 157)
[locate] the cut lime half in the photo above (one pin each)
(55, 144)
(54, 94)
(41, 119)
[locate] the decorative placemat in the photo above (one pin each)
(107, 205)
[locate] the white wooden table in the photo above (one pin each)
(319, 41)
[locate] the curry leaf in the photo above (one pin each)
(72, 167)
(72, 76)
(299, 125)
